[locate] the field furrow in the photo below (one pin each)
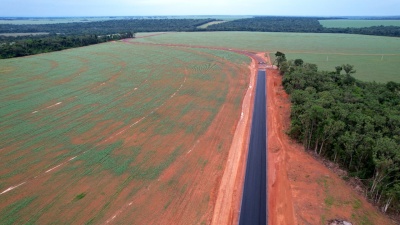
(117, 132)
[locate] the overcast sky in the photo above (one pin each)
(199, 7)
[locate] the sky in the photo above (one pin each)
(54, 8)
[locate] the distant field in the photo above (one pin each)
(210, 23)
(116, 132)
(358, 23)
(375, 58)
(53, 20)
(22, 34)
(40, 20)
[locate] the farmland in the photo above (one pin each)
(375, 58)
(117, 132)
(43, 20)
(22, 34)
(358, 23)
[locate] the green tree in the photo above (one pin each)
(338, 69)
(349, 69)
(280, 58)
(298, 62)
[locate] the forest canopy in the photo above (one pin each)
(353, 123)
(298, 24)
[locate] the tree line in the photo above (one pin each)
(109, 26)
(353, 123)
(18, 47)
(70, 35)
(298, 24)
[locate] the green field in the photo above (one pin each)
(358, 23)
(40, 20)
(375, 58)
(22, 34)
(85, 131)
(54, 20)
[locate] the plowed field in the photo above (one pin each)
(117, 132)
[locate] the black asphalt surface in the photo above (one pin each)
(254, 200)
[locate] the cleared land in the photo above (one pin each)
(375, 58)
(299, 186)
(210, 23)
(358, 23)
(117, 132)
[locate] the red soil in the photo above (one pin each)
(204, 184)
(301, 189)
(227, 205)
(280, 204)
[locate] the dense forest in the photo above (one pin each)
(298, 24)
(70, 35)
(353, 123)
(271, 24)
(17, 47)
(263, 24)
(109, 26)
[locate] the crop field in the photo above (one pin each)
(117, 132)
(358, 23)
(375, 58)
(40, 20)
(22, 34)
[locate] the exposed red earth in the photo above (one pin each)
(203, 178)
(301, 189)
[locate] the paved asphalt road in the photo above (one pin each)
(253, 209)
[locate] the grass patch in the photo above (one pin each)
(219, 148)
(357, 23)
(329, 200)
(202, 162)
(118, 164)
(80, 196)
(167, 204)
(356, 204)
(11, 213)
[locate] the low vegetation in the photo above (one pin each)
(344, 23)
(102, 124)
(351, 122)
(374, 57)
